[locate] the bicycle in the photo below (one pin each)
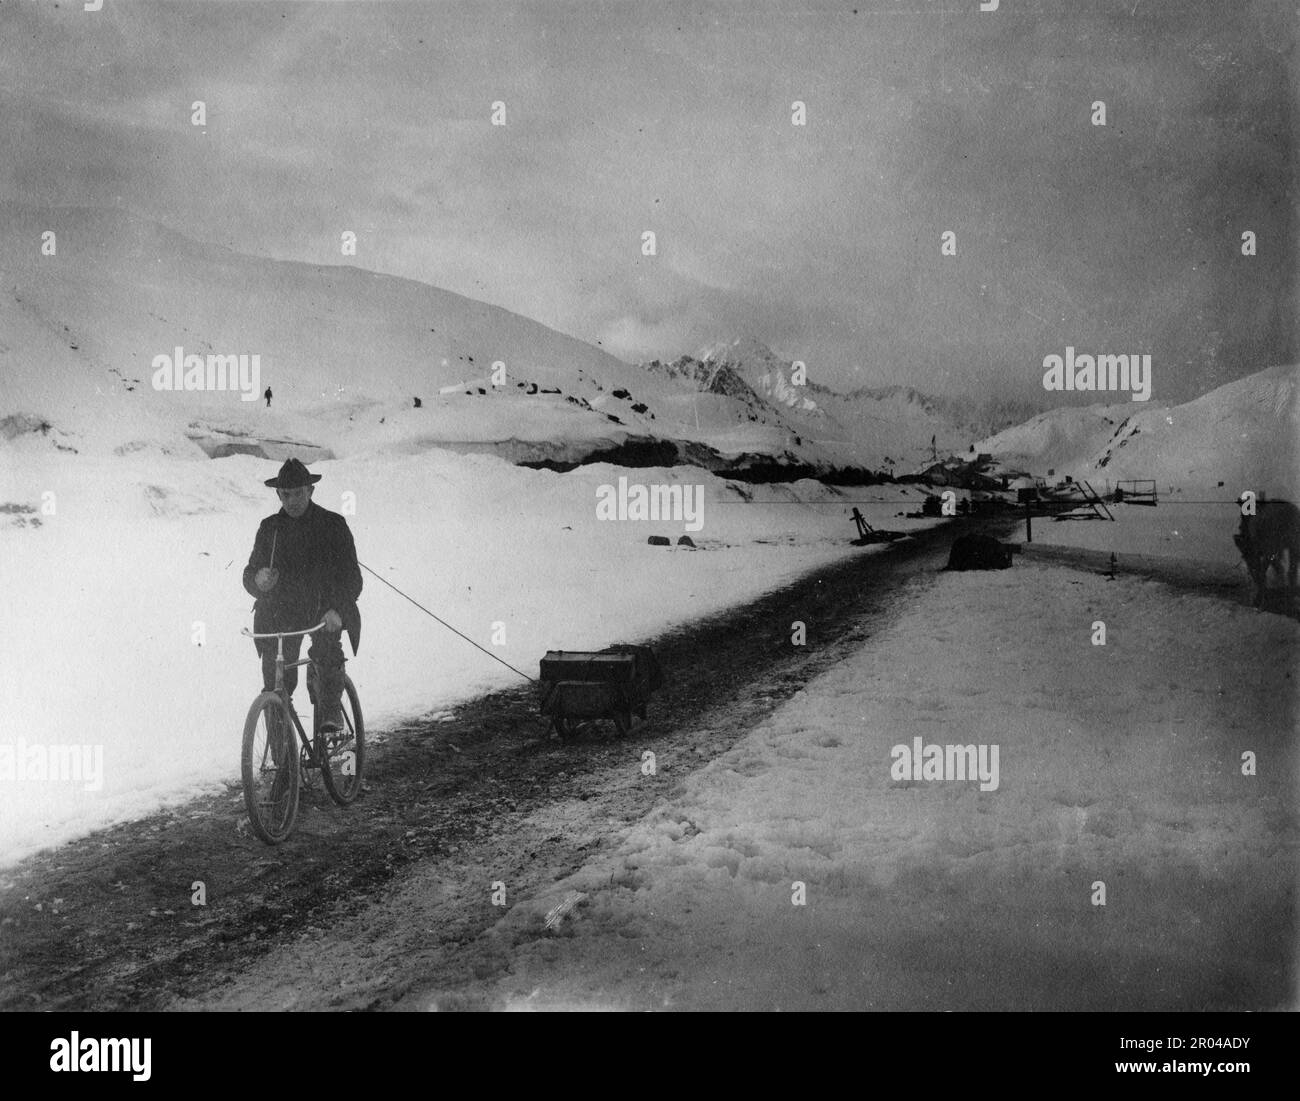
(274, 764)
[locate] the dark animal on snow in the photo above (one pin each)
(978, 552)
(1262, 540)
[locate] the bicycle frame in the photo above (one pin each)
(281, 666)
(279, 637)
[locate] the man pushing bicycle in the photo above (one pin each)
(303, 570)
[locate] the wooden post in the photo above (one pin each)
(860, 521)
(1029, 524)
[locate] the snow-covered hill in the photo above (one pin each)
(1242, 434)
(345, 351)
(348, 352)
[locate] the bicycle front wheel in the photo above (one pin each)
(270, 768)
(344, 759)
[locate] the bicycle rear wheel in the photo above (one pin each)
(344, 760)
(270, 768)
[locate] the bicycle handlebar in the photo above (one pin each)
(284, 634)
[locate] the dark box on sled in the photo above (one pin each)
(580, 665)
(587, 682)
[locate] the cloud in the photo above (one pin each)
(823, 238)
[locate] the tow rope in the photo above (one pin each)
(447, 625)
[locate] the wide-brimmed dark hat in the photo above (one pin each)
(292, 475)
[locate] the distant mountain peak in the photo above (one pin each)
(708, 376)
(738, 351)
(761, 369)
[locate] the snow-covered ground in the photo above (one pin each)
(1195, 526)
(1118, 765)
(125, 606)
(1201, 456)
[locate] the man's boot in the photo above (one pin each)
(331, 694)
(327, 653)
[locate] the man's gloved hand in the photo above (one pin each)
(333, 621)
(266, 578)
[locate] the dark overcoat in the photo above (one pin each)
(317, 560)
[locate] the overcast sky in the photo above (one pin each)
(822, 240)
